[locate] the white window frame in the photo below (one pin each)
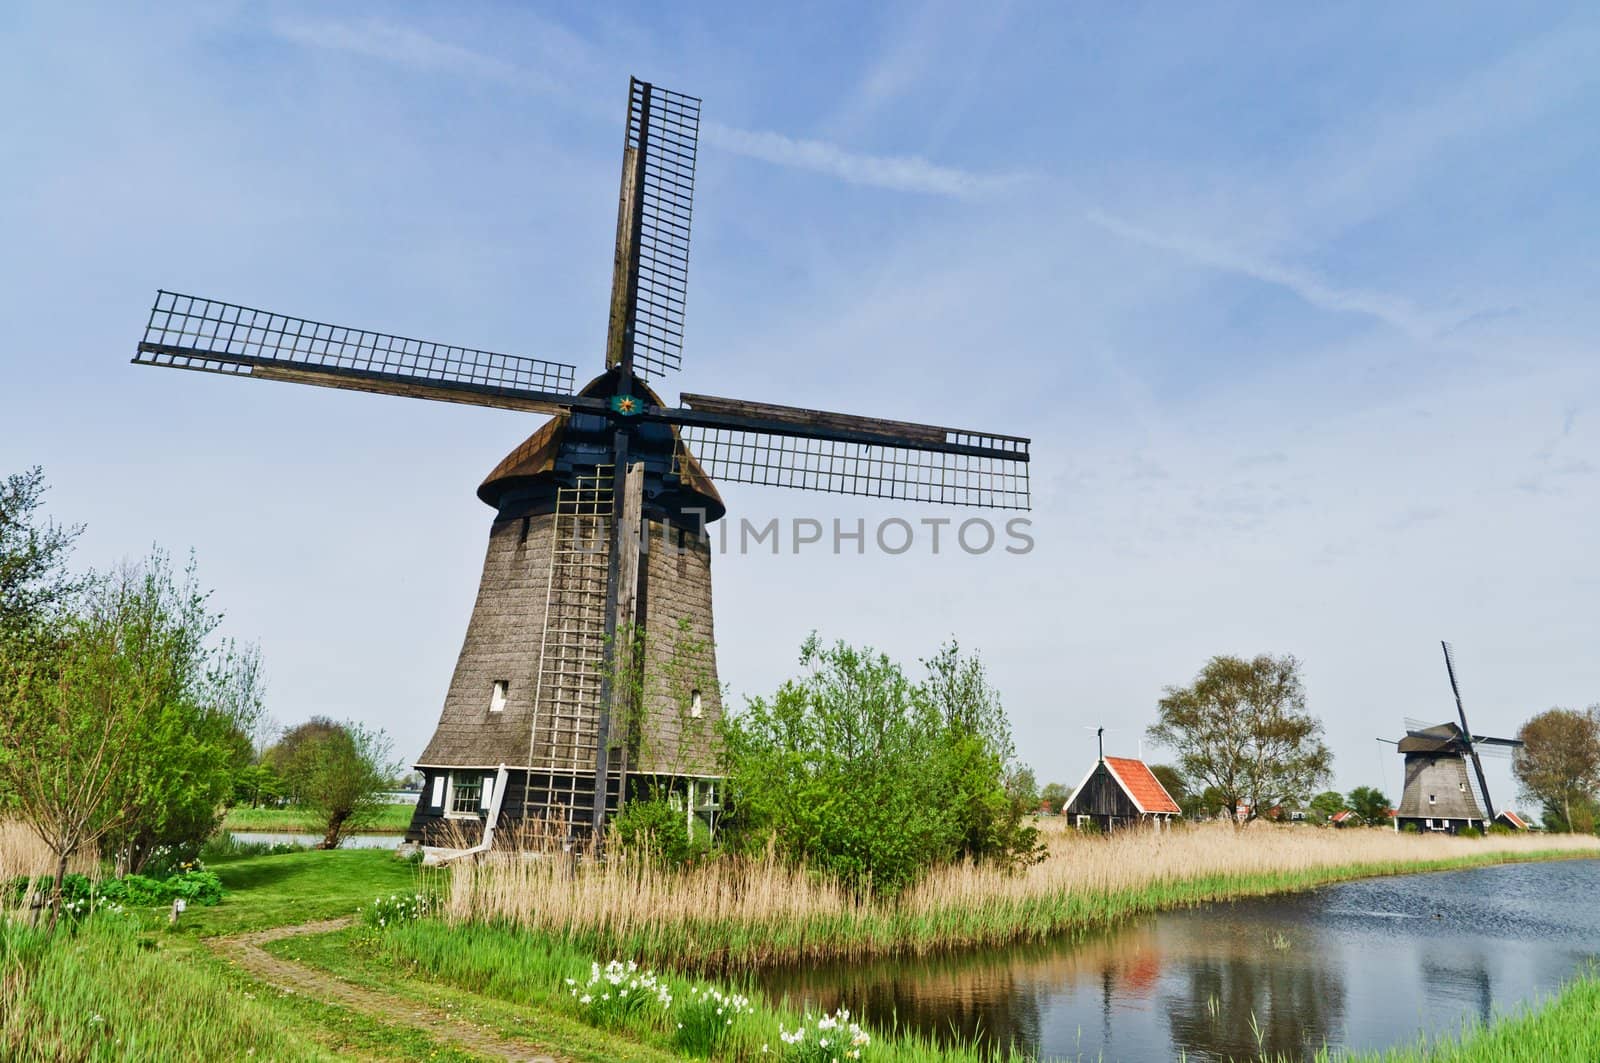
(438, 792)
(463, 785)
(695, 708)
(497, 698)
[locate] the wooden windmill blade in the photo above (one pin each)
(650, 274)
(212, 336)
(817, 450)
(1466, 731)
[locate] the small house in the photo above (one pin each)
(1345, 818)
(1510, 819)
(1120, 792)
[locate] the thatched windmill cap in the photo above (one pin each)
(534, 461)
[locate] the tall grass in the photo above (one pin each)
(734, 914)
(23, 854)
(100, 994)
(512, 965)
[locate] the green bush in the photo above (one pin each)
(654, 826)
(873, 778)
(1470, 832)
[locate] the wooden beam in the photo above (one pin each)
(798, 415)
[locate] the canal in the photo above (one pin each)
(1361, 965)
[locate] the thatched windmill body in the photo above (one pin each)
(1446, 789)
(597, 557)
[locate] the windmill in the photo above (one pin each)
(1439, 793)
(528, 720)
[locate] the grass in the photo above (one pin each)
(100, 993)
(530, 970)
(301, 887)
(1563, 1030)
(391, 819)
(734, 915)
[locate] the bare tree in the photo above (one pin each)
(1242, 728)
(1559, 761)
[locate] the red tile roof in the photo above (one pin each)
(1142, 785)
(1340, 817)
(1516, 820)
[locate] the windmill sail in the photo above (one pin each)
(1466, 732)
(211, 336)
(651, 276)
(814, 450)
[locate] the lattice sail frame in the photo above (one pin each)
(191, 332)
(668, 125)
(870, 470)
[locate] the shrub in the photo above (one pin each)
(1470, 832)
(655, 826)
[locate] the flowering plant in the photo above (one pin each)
(617, 992)
(703, 1019)
(399, 908)
(823, 1039)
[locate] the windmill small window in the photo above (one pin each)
(1432, 799)
(694, 704)
(466, 795)
(497, 699)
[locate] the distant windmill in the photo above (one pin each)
(1439, 793)
(528, 718)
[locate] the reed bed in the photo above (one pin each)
(735, 914)
(23, 854)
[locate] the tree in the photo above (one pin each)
(1054, 797)
(1242, 727)
(1370, 804)
(859, 772)
(34, 581)
(1558, 763)
(1177, 787)
(120, 722)
(339, 771)
(1327, 804)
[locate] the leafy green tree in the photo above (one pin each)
(1370, 804)
(256, 785)
(35, 583)
(1242, 727)
(1558, 764)
(1177, 787)
(860, 772)
(653, 825)
(1054, 796)
(338, 771)
(1326, 805)
(121, 728)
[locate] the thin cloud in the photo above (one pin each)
(1392, 310)
(414, 50)
(900, 173)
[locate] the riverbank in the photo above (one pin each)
(130, 987)
(391, 819)
(1563, 1030)
(736, 915)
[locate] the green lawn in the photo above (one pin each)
(301, 887)
(392, 819)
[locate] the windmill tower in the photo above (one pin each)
(598, 567)
(1440, 794)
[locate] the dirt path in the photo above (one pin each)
(246, 951)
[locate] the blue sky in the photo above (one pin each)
(1298, 306)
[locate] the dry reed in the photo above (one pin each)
(737, 913)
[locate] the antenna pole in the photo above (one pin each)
(1466, 733)
(1100, 736)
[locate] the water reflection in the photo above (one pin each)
(1361, 965)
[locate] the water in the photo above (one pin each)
(1363, 965)
(307, 839)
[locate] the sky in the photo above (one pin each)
(1298, 306)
